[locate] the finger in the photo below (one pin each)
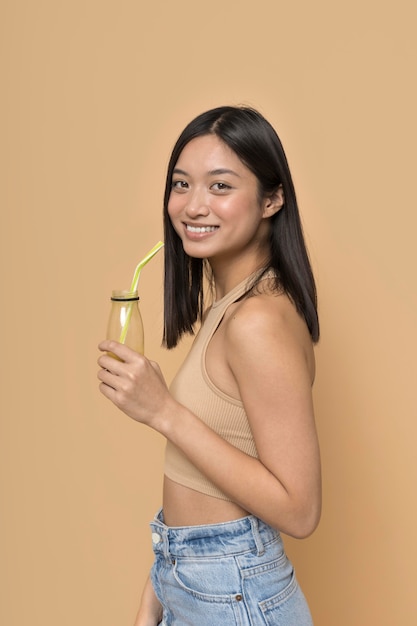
(108, 378)
(119, 350)
(109, 362)
(107, 391)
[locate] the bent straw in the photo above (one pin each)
(134, 286)
(144, 261)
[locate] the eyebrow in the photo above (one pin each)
(217, 172)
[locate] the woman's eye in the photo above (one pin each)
(179, 184)
(220, 187)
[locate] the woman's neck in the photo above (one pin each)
(228, 276)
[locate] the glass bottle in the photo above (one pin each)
(125, 321)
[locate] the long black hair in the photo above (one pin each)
(258, 146)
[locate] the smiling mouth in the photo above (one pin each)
(200, 229)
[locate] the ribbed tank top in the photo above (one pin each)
(224, 414)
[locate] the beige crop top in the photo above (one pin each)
(224, 414)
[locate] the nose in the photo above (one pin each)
(197, 204)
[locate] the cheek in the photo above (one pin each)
(173, 207)
(174, 210)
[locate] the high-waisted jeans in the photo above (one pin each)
(229, 574)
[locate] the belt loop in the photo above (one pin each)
(166, 545)
(165, 535)
(256, 535)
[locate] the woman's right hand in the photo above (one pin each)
(150, 610)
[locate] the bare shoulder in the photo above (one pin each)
(267, 313)
(268, 324)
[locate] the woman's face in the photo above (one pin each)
(214, 203)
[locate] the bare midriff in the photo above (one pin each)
(186, 507)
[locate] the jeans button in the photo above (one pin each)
(156, 538)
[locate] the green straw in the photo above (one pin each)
(134, 286)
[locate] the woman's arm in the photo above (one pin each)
(268, 357)
(150, 610)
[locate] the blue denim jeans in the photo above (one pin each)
(229, 574)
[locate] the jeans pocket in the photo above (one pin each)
(195, 595)
(287, 608)
(210, 579)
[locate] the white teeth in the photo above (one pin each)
(201, 229)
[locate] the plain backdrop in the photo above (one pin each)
(93, 96)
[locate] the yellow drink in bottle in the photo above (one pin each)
(125, 321)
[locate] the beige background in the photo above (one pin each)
(94, 93)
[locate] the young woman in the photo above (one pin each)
(242, 457)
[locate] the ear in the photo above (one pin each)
(273, 203)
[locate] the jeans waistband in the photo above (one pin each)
(243, 535)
